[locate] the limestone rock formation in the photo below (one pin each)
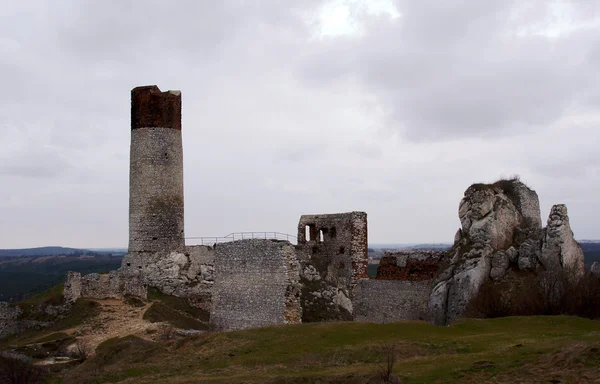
(595, 269)
(186, 273)
(559, 248)
(500, 231)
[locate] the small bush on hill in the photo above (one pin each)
(14, 370)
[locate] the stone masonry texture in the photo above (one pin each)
(388, 301)
(256, 284)
(333, 254)
(411, 265)
(337, 245)
(156, 221)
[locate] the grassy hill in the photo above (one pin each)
(530, 349)
(538, 349)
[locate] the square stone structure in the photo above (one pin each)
(257, 284)
(337, 246)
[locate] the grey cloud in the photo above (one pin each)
(277, 123)
(461, 71)
(35, 163)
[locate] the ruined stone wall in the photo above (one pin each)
(9, 323)
(333, 254)
(256, 284)
(156, 221)
(413, 265)
(72, 287)
(92, 286)
(388, 301)
(187, 273)
(337, 246)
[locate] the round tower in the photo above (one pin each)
(155, 171)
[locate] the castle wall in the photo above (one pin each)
(333, 254)
(256, 284)
(156, 221)
(92, 286)
(337, 246)
(413, 265)
(388, 301)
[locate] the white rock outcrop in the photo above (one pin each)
(595, 269)
(559, 248)
(501, 228)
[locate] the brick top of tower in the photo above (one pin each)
(152, 108)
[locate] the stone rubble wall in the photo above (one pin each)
(389, 301)
(256, 284)
(9, 319)
(92, 286)
(331, 266)
(72, 287)
(188, 273)
(411, 265)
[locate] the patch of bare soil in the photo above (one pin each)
(116, 319)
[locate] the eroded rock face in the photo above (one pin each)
(184, 274)
(488, 218)
(501, 230)
(559, 248)
(9, 323)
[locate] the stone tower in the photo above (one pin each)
(156, 171)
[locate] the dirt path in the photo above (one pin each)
(116, 319)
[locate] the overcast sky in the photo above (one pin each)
(298, 107)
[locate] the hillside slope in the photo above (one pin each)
(536, 349)
(136, 342)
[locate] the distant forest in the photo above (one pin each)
(24, 276)
(57, 251)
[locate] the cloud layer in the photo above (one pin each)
(393, 108)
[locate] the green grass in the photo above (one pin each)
(178, 304)
(52, 337)
(159, 312)
(539, 349)
(175, 311)
(33, 308)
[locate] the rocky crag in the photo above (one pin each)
(501, 233)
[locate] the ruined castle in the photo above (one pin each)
(258, 282)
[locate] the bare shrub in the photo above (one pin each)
(83, 349)
(20, 371)
(386, 372)
(167, 333)
(548, 293)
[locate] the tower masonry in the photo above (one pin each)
(156, 171)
